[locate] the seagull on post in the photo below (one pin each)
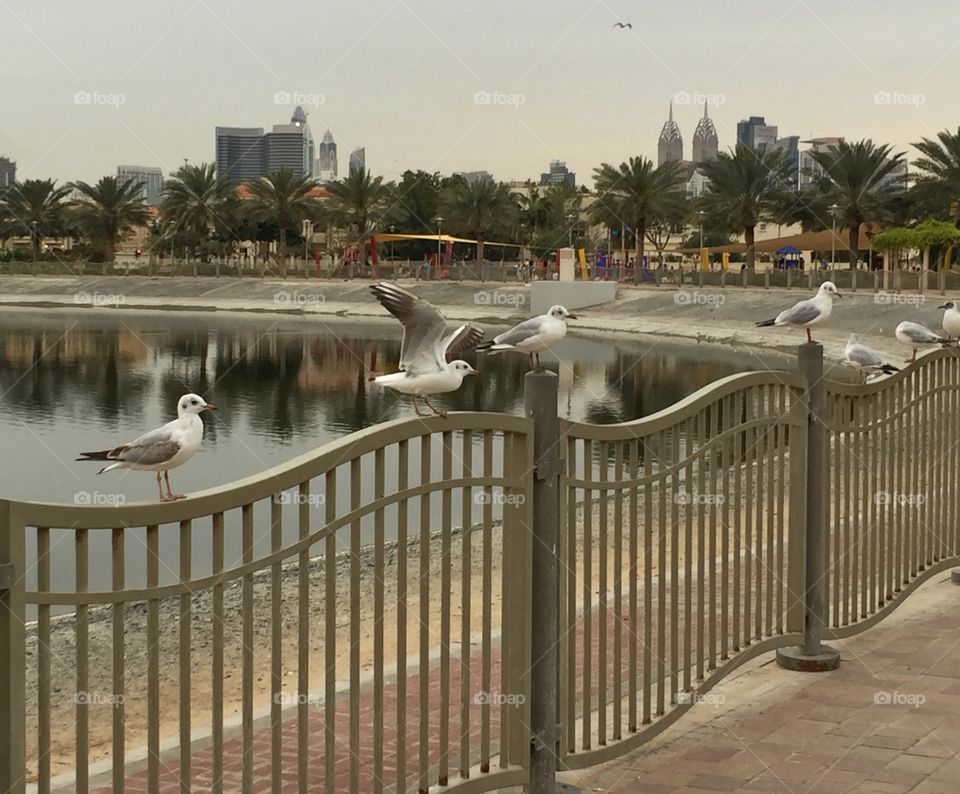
(808, 313)
(533, 336)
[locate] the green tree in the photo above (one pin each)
(194, 200)
(746, 187)
(937, 185)
(415, 202)
(108, 212)
(284, 198)
(479, 208)
(360, 202)
(36, 206)
(637, 194)
(855, 179)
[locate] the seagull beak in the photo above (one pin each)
(209, 407)
(942, 306)
(837, 295)
(472, 371)
(572, 317)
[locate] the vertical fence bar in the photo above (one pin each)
(379, 568)
(711, 432)
(330, 635)
(675, 617)
(403, 481)
(647, 579)
(186, 538)
(738, 557)
(618, 592)
(541, 405)
(153, 661)
(485, 673)
(662, 463)
(43, 670)
(570, 635)
(724, 505)
(216, 669)
(82, 627)
(586, 593)
(246, 540)
(602, 608)
(12, 638)
(446, 524)
(276, 646)
(119, 685)
(466, 591)
(633, 574)
(813, 656)
(689, 512)
(424, 631)
(355, 552)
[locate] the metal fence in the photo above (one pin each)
(397, 587)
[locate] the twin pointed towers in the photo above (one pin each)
(670, 145)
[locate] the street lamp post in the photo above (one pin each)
(570, 225)
(439, 220)
(833, 238)
(701, 237)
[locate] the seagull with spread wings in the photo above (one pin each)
(623, 25)
(162, 449)
(428, 353)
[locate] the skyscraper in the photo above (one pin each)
(8, 172)
(670, 145)
(327, 160)
(705, 142)
(358, 159)
(810, 170)
(756, 133)
(790, 146)
(245, 154)
(151, 178)
(558, 174)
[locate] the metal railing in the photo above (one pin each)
(399, 587)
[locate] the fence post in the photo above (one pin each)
(12, 655)
(540, 392)
(813, 656)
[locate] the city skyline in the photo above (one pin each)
(448, 109)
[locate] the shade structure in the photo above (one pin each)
(807, 241)
(445, 238)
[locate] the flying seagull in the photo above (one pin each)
(808, 313)
(951, 319)
(917, 336)
(533, 336)
(162, 449)
(865, 359)
(428, 353)
(622, 25)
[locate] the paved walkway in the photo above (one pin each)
(887, 721)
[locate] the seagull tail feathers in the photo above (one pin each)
(101, 455)
(765, 323)
(889, 369)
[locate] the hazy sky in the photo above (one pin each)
(86, 86)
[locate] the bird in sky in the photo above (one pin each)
(623, 25)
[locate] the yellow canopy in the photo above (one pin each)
(443, 238)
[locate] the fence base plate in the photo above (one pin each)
(955, 576)
(795, 659)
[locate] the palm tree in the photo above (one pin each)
(636, 194)
(479, 208)
(36, 206)
(193, 202)
(938, 184)
(855, 179)
(285, 199)
(359, 201)
(746, 187)
(108, 212)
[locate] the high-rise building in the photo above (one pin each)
(327, 159)
(558, 174)
(358, 159)
(756, 133)
(705, 142)
(245, 154)
(670, 144)
(790, 146)
(810, 170)
(151, 179)
(8, 172)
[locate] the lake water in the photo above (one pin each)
(284, 385)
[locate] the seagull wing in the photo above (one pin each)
(518, 333)
(919, 334)
(466, 337)
(423, 327)
(799, 314)
(864, 356)
(157, 446)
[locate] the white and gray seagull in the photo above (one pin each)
(162, 449)
(533, 336)
(428, 353)
(951, 319)
(865, 359)
(918, 336)
(808, 313)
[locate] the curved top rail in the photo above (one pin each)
(679, 411)
(868, 389)
(263, 485)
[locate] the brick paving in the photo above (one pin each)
(887, 721)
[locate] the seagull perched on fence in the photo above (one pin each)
(810, 312)
(918, 336)
(533, 336)
(428, 353)
(162, 449)
(951, 319)
(865, 359)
